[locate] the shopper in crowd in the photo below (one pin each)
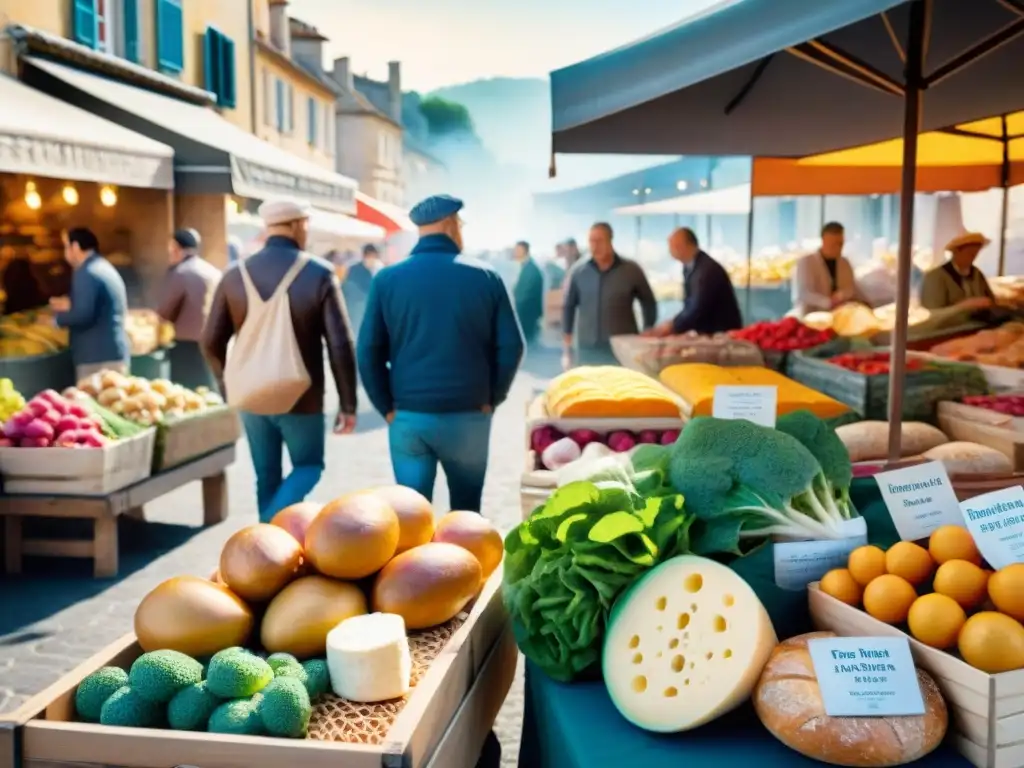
(282, 278)
(439, 347)
(824, 280)
(572, 253)
(94, 313)
(603, 291)
(185, 298)
(528, 293)
(357, 283)
(958, 283)
(709, 300)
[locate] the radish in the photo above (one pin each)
(6, 442)
(78, 411)
(621, 441)
(67, 424)
(35, 442)
(544, 436)
(91, 440)
(585, 437)
(39, 429)
(14, 428)
(51, 416)
(669, 436)
(37, 407)
(649, 436)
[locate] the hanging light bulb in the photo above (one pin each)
(32, 197)
(70, 194)
(108, 196)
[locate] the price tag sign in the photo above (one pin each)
(920, 499)
(866, 676)
(756, 404)
(798, 563)
(996, 521)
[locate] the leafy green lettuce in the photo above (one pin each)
(566, 564)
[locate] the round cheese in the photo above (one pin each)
(685, 644)
(368, 658)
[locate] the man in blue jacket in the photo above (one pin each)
(94, 313)
(437, 352)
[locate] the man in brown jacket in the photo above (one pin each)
(318, 316)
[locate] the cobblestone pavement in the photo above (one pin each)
(56, 616)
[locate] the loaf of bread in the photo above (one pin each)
(788, 702)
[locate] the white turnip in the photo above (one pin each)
(560, 453)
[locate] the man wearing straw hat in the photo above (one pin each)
(958, 283)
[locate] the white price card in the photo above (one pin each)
(996, 521)
(798, 563)
(866, 676)
(756, 404)
(919, 499)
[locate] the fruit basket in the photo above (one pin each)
(651, 355)
(986, 711)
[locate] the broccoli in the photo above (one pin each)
(127, 708)
(285, 708)
(191, 707)
(753, 482)
(238, 717)
(234, 674)
(96, 689)
(158, 675)
(286, 665)
(318, 678)
(822, 441)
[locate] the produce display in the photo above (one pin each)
(1011, 405)
(944, 595)
(855, 320)
(764, 270)
(50, 420)
(784, 335)
(30, 333)
(695, 383)
(651, 354)
(556, 449)
(1003, 346)
(322, 601)
(11, 400)
(147, 332)
(607, 391)
(873, 363)
(143, 401)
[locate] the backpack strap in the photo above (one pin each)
(252, 296)
(289, 276)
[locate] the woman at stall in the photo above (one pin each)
(958, 283)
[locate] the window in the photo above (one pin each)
(170, 36)
(111, 26)
(130, 30)
(312, 122)
(279, 96)
(269, 98)
(219, 65)
(329, 118)
(285, 111)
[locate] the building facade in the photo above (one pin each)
(423, 174)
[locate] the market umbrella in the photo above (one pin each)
(788, 78)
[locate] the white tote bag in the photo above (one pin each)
(265, 373)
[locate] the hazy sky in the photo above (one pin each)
(444, 42)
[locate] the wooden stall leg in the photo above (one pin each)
(215, 499)
(105, 563)
(12, 544)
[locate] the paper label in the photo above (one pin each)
(919, 499)
(756, 404)
(996, 521)
(866, 676)
(798, 563)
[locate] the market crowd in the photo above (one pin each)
(436, 339)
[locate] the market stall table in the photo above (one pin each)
(104, 511)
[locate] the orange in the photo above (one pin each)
(951, 542)
(992, 642)
(866, 563)
(888, 598)
(909, 561)
(841, 585)
(1006, 590)
(963, 581)
(936, 620)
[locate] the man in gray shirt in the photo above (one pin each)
(185, 300)
(603, 290)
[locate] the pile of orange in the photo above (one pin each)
(943, 594)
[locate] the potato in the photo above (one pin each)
(970, 459)
(869, 440)
(110, 395)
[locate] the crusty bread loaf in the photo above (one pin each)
(788, 701)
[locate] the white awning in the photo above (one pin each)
(43, 136)
(345, 226)
(718, 202)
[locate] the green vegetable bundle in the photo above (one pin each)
(568, 562)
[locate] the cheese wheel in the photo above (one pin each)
(788, 701)
(368, 658)
(685, 644)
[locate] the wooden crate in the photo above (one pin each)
(182, 440)
(986, 711)
(999, 377)
(478, 661)
(537, 416)
(978, 425)
(90, 471)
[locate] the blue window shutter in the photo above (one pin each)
(130, 14)
(83, 22)
(210, 60)
(311, 121)
(228, 83)
(279, 88)
(170, 36)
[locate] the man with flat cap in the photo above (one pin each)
(439, 347)
(356, 286)
(283, 374)
(185, 298)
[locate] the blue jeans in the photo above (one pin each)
(458, 441)
(303, 434)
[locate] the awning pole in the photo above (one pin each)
(1004, 215)
(920, 11)
(750, 247)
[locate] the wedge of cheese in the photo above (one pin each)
(368, 658)
(685, 644)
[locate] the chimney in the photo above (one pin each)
(280, 33)
(395, 91)
(343, 73)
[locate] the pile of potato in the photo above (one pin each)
(144, 401)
